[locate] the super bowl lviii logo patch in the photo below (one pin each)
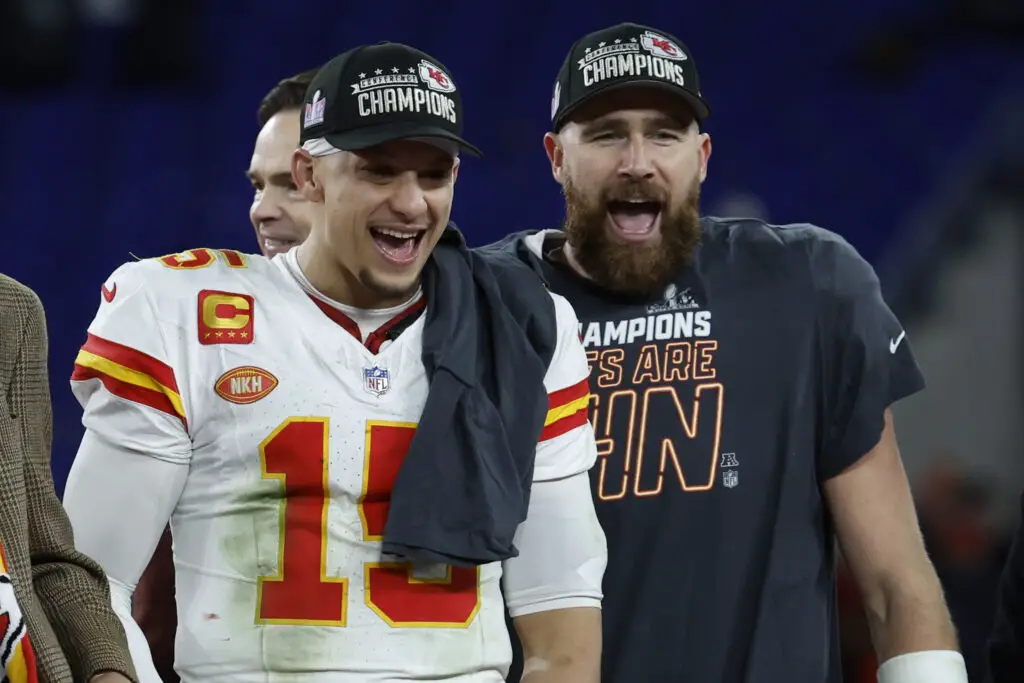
(314, 112)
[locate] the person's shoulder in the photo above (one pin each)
(16, 295)
(21, 311)
(165, 279)
(521, 249)
(803, 253)
(795, 249)
(754, 233)
(514, 248)
(515, 258)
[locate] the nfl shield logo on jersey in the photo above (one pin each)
(730, 478)
(376, 380)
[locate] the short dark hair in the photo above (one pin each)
(287, 94)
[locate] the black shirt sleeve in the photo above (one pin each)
(1006, 646)
(867, 363)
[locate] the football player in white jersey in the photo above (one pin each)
(264, 407)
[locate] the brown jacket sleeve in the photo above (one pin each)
(71, 588)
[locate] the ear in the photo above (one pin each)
(556, 155)
(455, 169)
(305, 179)
(705, 154)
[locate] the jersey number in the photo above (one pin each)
(296, 454)
(201, 258)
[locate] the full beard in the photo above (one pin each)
(638, 269)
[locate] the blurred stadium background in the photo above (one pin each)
(127, 125)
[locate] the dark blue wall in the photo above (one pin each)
(92, 173)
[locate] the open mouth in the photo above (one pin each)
(634, 219)
(401, 247)
(278, 246)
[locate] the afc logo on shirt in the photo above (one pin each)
(657, 403)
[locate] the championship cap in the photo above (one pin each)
(374, 94)
(622, 56)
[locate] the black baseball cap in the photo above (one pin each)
(374, 94)
(622, 56)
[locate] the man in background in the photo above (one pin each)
(279, 214)
(742, 374)
(281, 218)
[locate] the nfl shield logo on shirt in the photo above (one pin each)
(730, 478)
(376, 380)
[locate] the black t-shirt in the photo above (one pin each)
(720, 408)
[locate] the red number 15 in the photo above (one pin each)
(301, 593)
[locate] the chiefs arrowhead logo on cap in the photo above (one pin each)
(660, 46)
(435, 77)
(245, 385)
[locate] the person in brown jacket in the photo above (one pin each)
(56, 620)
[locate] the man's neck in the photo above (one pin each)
(334, 281)
(569, 256)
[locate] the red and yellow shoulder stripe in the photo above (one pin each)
(567, 409)
(17, 658)
(129, 374)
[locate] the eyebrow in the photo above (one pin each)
(666, 121)
(439, 163)
(614, 124)
(281, 179)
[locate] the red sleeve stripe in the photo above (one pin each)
(567, 409)
(126, 356)
(129, 374)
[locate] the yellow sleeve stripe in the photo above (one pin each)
(128, 383)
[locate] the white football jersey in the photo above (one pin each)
(293, 429)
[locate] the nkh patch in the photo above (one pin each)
(245, 385)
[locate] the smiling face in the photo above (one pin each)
(631, 163)
(279, 214)
(384, 210)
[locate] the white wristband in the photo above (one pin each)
(930, 666)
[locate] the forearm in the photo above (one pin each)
(142, 657)
(877, 528)
(119, 502)
(537, 670)
(908, 614)
(553, 588)
(562, 645)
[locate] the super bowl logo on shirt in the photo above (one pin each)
(624, 59)
(393, 90)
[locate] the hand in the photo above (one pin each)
(109, 677)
